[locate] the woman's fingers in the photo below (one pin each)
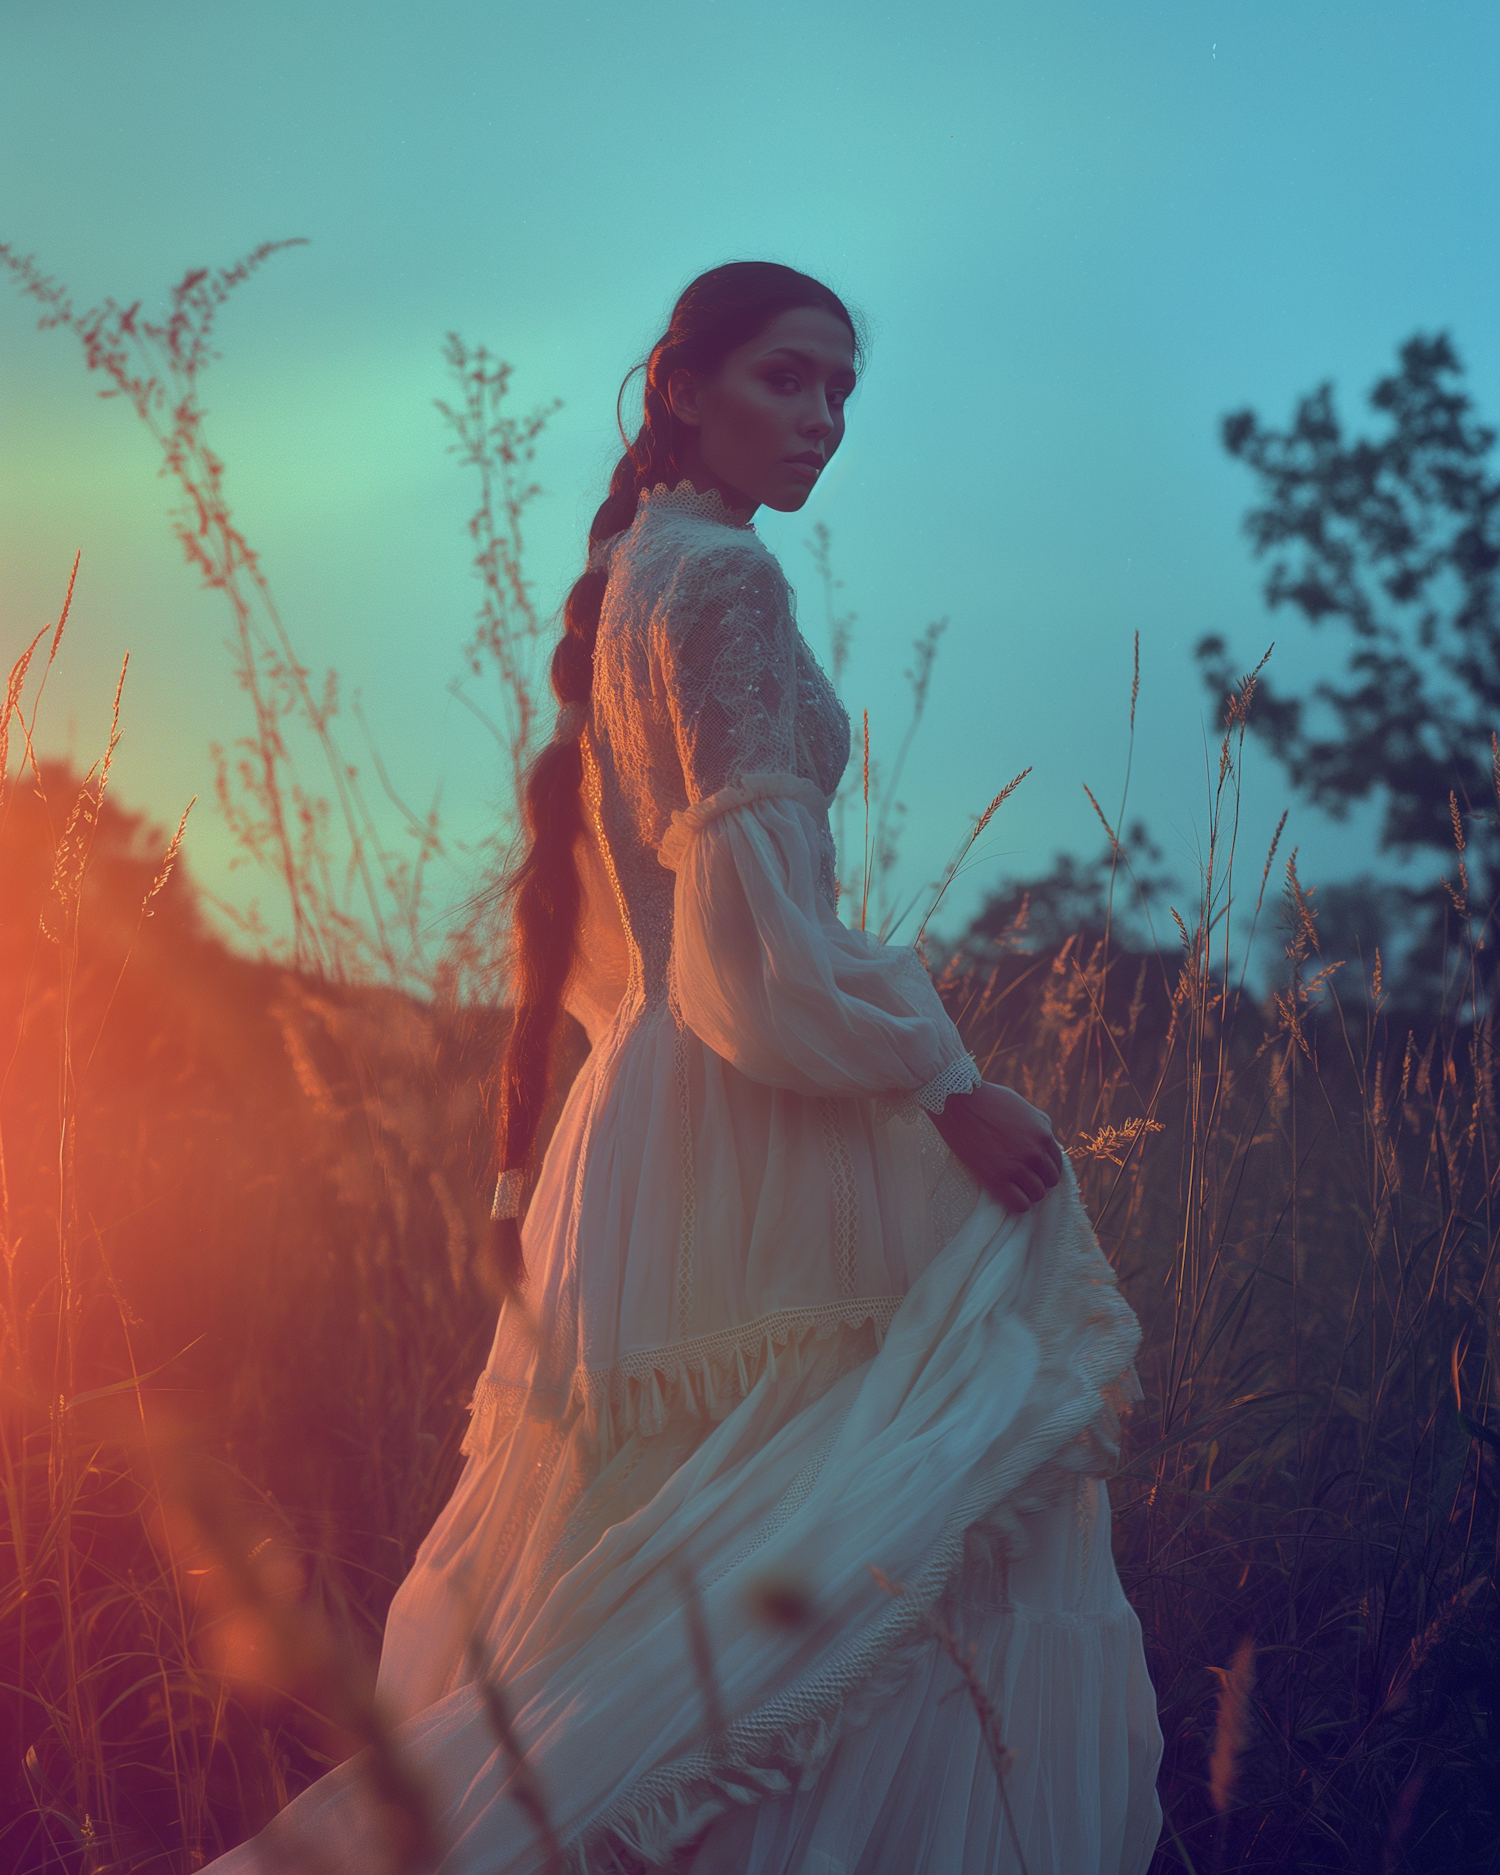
(1027, 1181)
(1018, 1191)
(1020, 1187)
(1043, 1144)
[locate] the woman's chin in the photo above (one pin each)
(788, 500)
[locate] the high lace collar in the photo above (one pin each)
(708, 504)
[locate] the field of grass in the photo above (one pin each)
(242, 1219)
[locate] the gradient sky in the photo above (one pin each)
(1081, 230)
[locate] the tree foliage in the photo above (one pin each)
(1395, 539)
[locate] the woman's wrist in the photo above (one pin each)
(959, 1077)
(1006, 1143)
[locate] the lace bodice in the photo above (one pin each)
(701, 679)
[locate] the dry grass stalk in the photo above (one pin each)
(1232, 1724)
(966, 846)
(525, 1787)
(1002, 1756)
(700, 1649)
(500, 449)
(1113, 1142)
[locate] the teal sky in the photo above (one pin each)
(1081, 230)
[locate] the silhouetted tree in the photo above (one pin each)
(1079, 899)
(1396, 539)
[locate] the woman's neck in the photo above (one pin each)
(692, 468)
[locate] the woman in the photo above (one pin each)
(808, 1371)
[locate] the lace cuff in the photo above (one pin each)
(688, 821)
(959, 1077)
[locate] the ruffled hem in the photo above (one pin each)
(785, 1743)
(706, 1377)
(690, 820)
(659, 1818)
(790, 1736)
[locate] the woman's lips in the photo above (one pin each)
(806, 464)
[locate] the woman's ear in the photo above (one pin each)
(682, 397)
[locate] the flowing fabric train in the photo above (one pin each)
(960, 1460)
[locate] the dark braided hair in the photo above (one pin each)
(720, 311)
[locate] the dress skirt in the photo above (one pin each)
(754, 1601)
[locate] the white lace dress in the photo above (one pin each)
(776, 1342)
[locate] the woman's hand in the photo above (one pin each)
(1004, 1141)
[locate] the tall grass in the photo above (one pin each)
(241, 1310)
(1302, 1210)
(241, 1217)
(289, 790)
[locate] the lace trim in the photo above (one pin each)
(686, 1243)
(785, 1742)
(690, 820)
(959, 1077)
(707, 1376)
(496, 1407)
(707, 504)
(845, 1191)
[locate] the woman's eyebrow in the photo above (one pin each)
(807, 360)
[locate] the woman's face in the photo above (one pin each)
(763, 427)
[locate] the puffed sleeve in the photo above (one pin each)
(764, 972)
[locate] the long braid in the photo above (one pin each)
(545, 891)
(720, 310)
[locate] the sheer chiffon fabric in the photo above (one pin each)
(783, 1377)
